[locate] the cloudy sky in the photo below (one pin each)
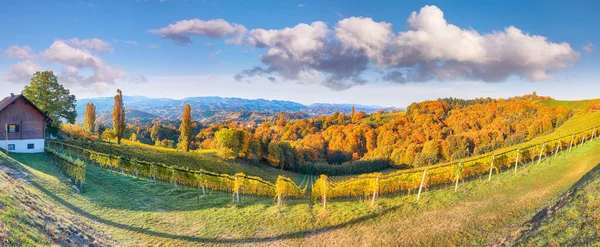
(388, 53)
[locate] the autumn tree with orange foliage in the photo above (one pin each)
(430, 132)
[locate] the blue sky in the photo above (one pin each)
(127, 54)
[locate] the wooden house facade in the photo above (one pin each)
(23, 125)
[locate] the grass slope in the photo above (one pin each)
(29, 217)
(385, 117)
(203, 159)
(573, 220)
(139, 212)
(575, 105)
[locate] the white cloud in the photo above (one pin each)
(182, 31)
(75, 60)
(299, 41)
(22, 52)
(215, 54)
(81, 68)
(292, 51)
(434, 49)
(23, 71)
(300, 5)
(137, 79)
(131, 42)
(364, 35)
(154, 46)
(431, 49)
(92, 44)
(589, 48)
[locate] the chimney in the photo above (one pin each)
(12, 95)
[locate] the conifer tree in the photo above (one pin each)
(118, 116)
(89, 123)
(186, 128)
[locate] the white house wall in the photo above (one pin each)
(21, 145)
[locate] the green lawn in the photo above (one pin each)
(139, 212)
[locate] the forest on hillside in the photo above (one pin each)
(427, 133)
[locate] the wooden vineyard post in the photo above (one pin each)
(174, 177)
(278, 199)
(375, 192)
(541, 152)
(421, 186)
(325, 193)
(457, 176)
(153, 173)
(456, 183)
(278, 191)
(517, 159)
(532, 154)
(200, 185)
(491, 167)
(556, 151)
(238, 187)
(571, 145)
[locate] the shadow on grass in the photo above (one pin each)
(533, 224)
(110, 189)
(212, 240)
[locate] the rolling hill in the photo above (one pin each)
(134, 211)
(211, 109)
(509, 209)
(575, 105)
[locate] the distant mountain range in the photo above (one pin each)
(211, 109)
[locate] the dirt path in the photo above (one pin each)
(47, 219)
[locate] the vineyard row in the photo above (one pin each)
(360, 186)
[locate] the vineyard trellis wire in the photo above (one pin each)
(237, 184)
(71, 165)
(451, 172)
(360, 186)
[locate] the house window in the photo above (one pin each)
(11, 147)
(30, 146)
(13, 128)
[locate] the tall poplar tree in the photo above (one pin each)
(89, 124)
(186, 128)
(118, 116)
